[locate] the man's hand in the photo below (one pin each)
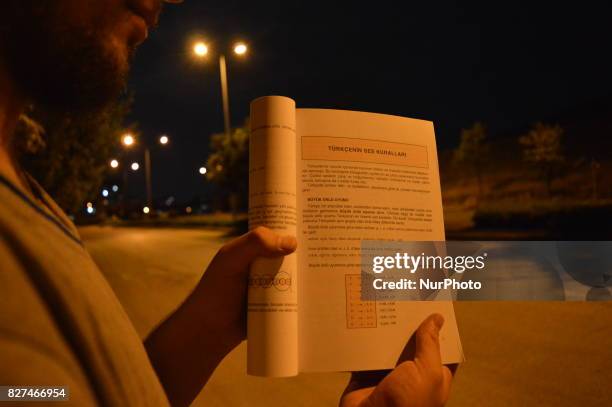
(223, 288)
(422, 382)
(187, 347)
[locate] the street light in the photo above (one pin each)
(202, 170)
(240, 48)
(163, 140)
(128, 140)
(200, 50)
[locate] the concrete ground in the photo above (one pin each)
(518, 354)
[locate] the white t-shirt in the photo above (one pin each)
(60, 322)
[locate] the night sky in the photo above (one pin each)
(508, 64)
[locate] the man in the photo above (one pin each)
(60, 323)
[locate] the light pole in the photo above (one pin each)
(147, 160)
(114, 164)
(200, 50)
(163, 140)
(224, 95)
(128, 141)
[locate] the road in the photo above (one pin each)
(518, 354)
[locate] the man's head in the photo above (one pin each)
(72, 54)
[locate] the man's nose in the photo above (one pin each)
(148, 9)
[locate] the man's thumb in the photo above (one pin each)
(259, 242)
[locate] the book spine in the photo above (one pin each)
(272, 317)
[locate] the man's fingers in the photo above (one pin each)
(428, 341)
(260, 242)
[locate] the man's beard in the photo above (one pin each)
(60, 67)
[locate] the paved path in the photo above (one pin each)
(518, 354)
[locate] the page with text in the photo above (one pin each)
(362, 176)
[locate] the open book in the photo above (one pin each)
(334, 178)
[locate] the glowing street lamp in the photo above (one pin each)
(200, 50)
(240, 48)
(128, 140)
(202, 170)
(146, 210)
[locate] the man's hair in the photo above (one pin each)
(56, 63)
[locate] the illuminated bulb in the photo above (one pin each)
(128, 140)
(240, 48)
(200, 49)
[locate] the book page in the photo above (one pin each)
(362, 176)
(272, 321)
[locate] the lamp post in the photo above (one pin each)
(200, 50)
(128, 141)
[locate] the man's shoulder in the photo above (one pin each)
(55, 298)
(21, 215)
(33, 350)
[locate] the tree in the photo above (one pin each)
(473, 151)
(68, 154)
(542, 148)
(228, 166)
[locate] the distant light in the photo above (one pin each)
(89, 205)
(219, 167)
(105, 192)
(164, 140)
(240, 48)
(202, 170)
(135, 166)
(200, 49)
(188, 209)
(146, 210)
(115, 188)
(114, 163)
(128, 140)
(90, 210)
